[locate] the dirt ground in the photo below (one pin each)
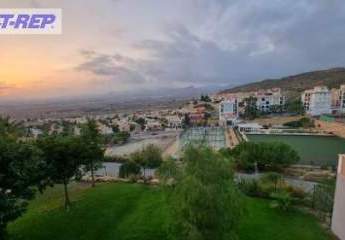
(277, 120)
(333, 127)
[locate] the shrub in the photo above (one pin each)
(282, 200)
(128, 169)
(266, 188)
(267, 155)
(273, 178)
(205, 203)
(250, 187)
(118, 159)
(148, 157)
(297, 193)
(301, 123)
(168, 172)
(121, 137)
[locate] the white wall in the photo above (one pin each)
(338, 219)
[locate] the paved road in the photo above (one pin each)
(307, 186)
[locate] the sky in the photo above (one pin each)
(111, 46)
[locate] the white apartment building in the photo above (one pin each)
(103, 129)
(317, 101)
(228, 111)
(268, 99)
(341, 96)
(153, 125)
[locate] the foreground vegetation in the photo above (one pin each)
(198, 198)
(132, 211)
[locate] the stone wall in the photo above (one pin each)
(338, 219)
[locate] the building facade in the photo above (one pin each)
(270, 100)
(228, 111)
(338, 99)
(317, 101)
(338, 218)
(267, 100)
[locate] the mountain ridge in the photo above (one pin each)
(295, 84)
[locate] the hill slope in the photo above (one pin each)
(295, 84)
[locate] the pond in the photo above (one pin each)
(313, 150)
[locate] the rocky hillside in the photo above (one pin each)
(293, 85)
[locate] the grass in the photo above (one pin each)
(263, 222)
(131, 211)
(320, 150)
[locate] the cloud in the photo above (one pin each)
(223, 42)
(5, 88)
(110, 67)
(35, 4)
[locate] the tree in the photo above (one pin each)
(152, 156)
(295, 106)
(282, 200)
(121, 137)
(10, 128)
(141, 121)
(132, 127)
(267, 155)
(277, 155)
(304, 122)
(115, 128)
(67, 128)
(272, 177)
(205, 98)
(205, 202)
(168, 171)
(129, 168)
(148, 157)
(20, 176)
(186, 121)
(94, 152)
(277, 108)
(250, 110)
(64, 157)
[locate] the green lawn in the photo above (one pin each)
(131, 211)
(320, 150)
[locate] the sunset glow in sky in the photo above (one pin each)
(120, 45)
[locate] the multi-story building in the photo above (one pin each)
(228, 111)
(341, 96)
(270, 100)
(267, 100)
(153, 125)
(317, 101)
(335, 100)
